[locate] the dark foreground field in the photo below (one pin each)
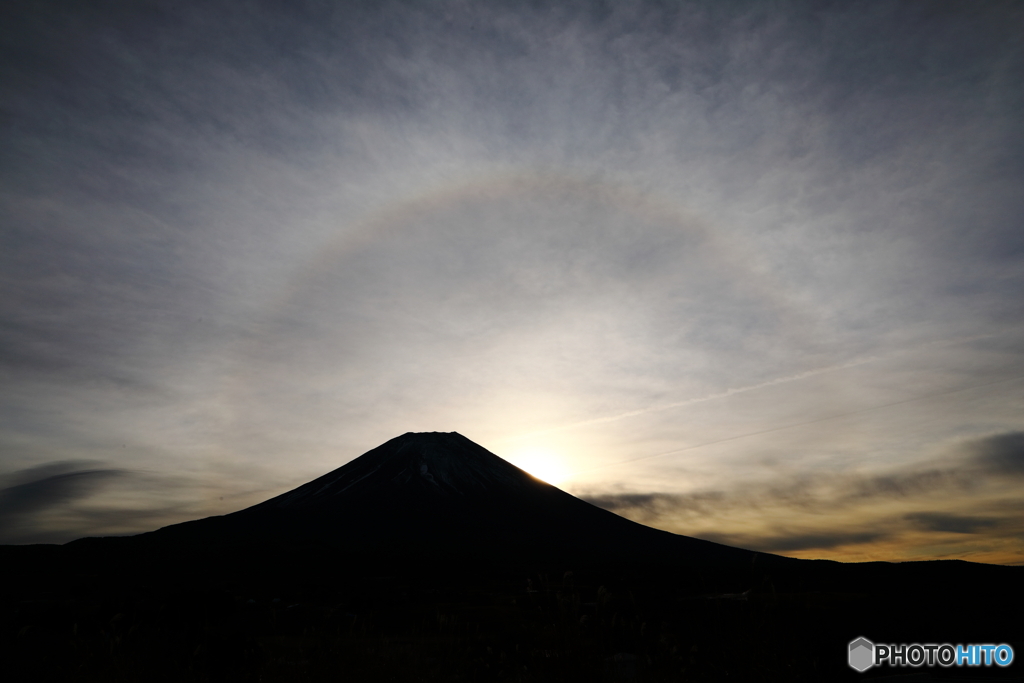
(104, 613)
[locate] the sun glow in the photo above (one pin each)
(542, 464)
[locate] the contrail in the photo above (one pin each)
(797, 424)
(691, 401)
(740, 390)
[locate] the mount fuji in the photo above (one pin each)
(430, 555)
(436, 497)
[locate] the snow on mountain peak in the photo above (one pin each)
(445, 462)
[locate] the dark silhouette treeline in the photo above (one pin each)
(96, 613)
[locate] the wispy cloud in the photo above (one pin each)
(1002, 454)
(798, 540)
(944, 522)
(972, 473)
(45, 486)
(60, 501)
(251, 243)
(31, 494)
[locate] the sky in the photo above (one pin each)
(746, 271)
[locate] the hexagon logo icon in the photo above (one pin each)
(862, 654)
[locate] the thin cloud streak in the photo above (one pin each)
(999, 453)
(693, 401)
(856, 362)
(957, 524)
(790, 541)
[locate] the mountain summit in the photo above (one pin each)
(427, 465)
(439, 494)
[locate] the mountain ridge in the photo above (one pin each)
(440, 495)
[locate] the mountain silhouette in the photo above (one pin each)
(439, 496)
(430, 558)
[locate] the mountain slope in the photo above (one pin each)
(440, 495)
